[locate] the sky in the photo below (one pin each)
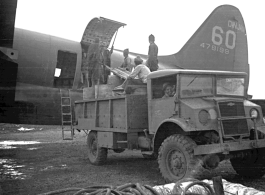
(172, 22)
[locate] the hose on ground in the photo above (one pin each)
(194, 182)
(126, 189)
(129, 189)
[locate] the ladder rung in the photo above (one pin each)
(67, 122)
(70, 114)
(65, 92)
(67, 138)
(122, 142)
(67, 117)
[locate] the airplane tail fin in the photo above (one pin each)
(220, 43)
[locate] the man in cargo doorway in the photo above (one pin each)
(107, 62)
(127, 62)
(141, 71)
(94, 67)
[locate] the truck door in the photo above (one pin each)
(162, 102)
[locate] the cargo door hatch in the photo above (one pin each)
(101, 28)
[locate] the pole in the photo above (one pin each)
(218, 185)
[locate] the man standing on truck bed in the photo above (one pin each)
(152, 61)
(141, 70)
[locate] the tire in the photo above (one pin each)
(176, 160)
(96, 155)
(253, 166)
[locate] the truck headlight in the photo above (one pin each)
(204, 116)
(254, 113)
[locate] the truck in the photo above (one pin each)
(210, 117)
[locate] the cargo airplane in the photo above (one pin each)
(43, 64)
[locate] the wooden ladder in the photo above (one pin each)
(67, 118)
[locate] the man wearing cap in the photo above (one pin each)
(140, 70)
(127, 62)
(152, 61)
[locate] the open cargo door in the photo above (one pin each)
(101, 28)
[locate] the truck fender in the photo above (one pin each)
(183, 127)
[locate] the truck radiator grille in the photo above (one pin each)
(231, 109)
(235, 126)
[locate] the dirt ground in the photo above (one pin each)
(35, 159)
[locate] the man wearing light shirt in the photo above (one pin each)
(141, 71)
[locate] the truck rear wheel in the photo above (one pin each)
(96, 155)
(176, 160)
(252, 166)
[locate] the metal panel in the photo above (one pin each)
(106, 139)
(137, 112)
(103, 113)
(90, 110)
(79, 110)
(87, 124)
(119, 113)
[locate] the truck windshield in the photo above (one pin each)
(196, 86)
(230, 86)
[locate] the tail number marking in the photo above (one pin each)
(218, 39)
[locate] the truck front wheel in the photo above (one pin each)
(176, 160)
(252, 165)
(96, 155)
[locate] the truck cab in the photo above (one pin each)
(210, 111)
